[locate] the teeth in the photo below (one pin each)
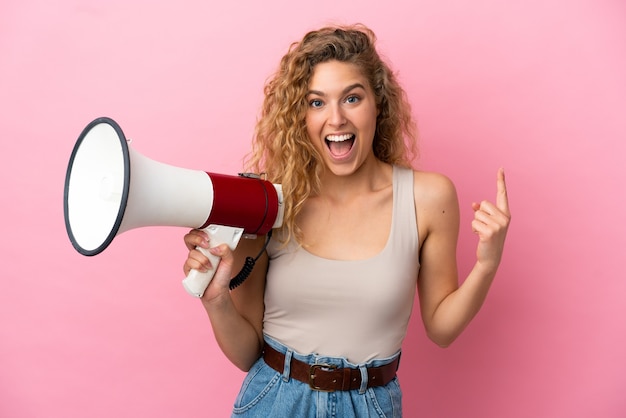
(338, 138)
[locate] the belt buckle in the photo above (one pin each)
(313, 369)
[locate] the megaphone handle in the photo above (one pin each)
(196, 282)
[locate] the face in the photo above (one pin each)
(341, 116)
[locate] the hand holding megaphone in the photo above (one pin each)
(197, 281)
(110, 189)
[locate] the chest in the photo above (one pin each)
(352, 229)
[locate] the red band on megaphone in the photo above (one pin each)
(249, 203)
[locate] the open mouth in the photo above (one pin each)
(340, 145)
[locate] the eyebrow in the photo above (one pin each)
(346, 90)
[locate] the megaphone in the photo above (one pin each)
(110, 189)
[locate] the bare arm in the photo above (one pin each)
(236, 316)
(446, 307)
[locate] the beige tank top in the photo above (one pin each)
(353, 309)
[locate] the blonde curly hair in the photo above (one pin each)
(281, 147)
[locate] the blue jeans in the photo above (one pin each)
(267, 393)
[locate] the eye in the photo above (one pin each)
(353, 99)
(315, 103)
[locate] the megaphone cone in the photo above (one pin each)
(110, 189)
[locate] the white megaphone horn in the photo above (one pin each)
(110, 189)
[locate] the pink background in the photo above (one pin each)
(536, 86)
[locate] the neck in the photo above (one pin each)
(371, 176)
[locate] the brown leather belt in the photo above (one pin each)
(327, 377)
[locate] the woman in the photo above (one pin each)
(320, 322)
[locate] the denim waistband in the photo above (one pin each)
(314, 358)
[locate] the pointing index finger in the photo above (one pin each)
(502, 200)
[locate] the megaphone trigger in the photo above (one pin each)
(196, 282)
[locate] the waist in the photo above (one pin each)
(330, 377)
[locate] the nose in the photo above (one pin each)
(336, 117)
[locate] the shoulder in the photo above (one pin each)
(431, 187)
(436, 202)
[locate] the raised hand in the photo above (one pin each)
(491, 223)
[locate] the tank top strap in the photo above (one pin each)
(404, 223)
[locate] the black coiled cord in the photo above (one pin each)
(248, 266)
